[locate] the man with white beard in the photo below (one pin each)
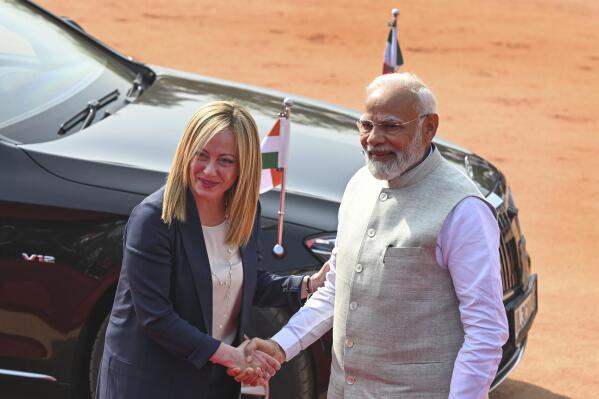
(414, 291)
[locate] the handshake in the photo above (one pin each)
(255, 361)
(261, 359)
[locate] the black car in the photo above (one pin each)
(86, 134)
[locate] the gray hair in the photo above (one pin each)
(426, 104)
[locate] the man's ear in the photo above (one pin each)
(430, 125)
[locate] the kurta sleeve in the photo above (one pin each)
(469, 248)
(313, 320)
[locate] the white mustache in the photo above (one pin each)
(379, 148)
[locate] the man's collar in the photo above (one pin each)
(419, 171)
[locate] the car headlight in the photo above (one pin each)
(482, 172)
(321, 245)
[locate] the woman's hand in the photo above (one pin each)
(255, 367)
(317, 279)
(267, 353)
(312, 283)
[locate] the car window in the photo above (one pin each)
(43, 65)
(12, 44)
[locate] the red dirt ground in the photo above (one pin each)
(517, 82)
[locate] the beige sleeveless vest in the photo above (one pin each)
(397, 328)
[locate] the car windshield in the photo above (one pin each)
(44, 65)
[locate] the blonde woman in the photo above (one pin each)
(190, 270)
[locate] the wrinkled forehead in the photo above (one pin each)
(390, 103)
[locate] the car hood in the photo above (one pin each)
(139, 140)
(132, 150)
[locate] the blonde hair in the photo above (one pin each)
(241, 199)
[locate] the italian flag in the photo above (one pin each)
(275, 150)
(393, 57)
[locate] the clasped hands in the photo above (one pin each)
(261, 360)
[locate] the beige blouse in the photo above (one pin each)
(227, 281)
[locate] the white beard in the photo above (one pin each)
(389, 170)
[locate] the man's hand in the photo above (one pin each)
(269, 347)
(266, 353)
(256, 369)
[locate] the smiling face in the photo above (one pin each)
(389, 154)
(215, 168)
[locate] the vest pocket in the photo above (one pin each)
(428, 379)
(402, 252)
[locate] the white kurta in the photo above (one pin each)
(226, 291)
(467, 247)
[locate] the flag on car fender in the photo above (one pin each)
(275, 150)
(393, 56)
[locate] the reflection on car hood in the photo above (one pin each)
(132, 150)
(140, 139)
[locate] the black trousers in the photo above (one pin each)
(222, 386)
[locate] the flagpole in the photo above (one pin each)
(394, 13)
(393, 24)
(279, 250)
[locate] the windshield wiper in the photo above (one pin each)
(137, 87)
(87, 114)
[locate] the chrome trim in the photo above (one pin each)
(510, 366)
(25, 374)
(507, 295)
(494, 200)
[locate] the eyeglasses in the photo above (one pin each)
(366, 126)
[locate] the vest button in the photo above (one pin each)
(353, 305)
(351, 380)
(383, 197)
(359, 268)
(371, 232)
(349, 342)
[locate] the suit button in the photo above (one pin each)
(353, 305)
(371, 233)
(383, 197)
(351, 380)
(358, 268)
(349, 342)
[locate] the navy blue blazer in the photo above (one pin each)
(158, 340)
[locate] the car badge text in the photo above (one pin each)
(37, 258)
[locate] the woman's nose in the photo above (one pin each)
(210, 168)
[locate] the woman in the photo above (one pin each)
(189, 274)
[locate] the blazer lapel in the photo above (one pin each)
(195, 248)
(249, 283)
